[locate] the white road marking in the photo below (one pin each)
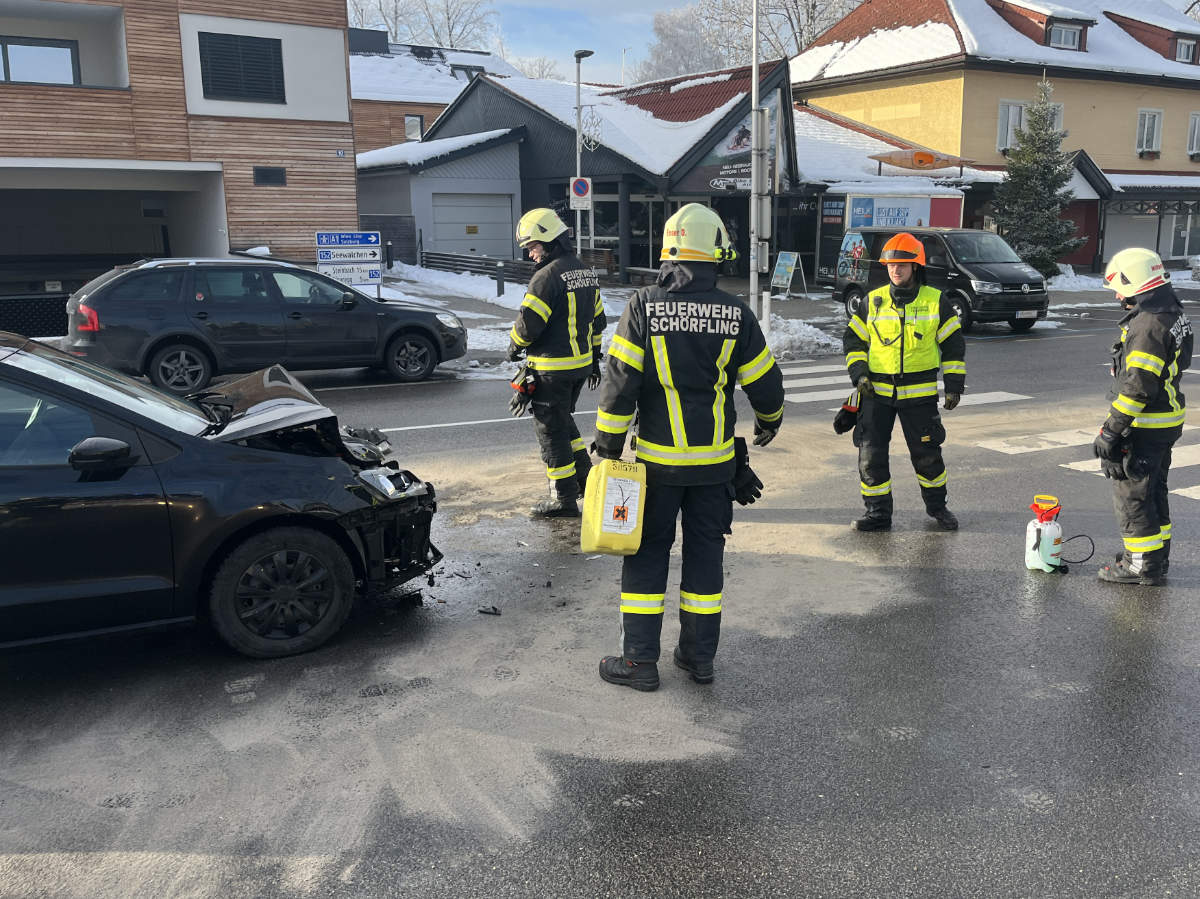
(1032, 443)
(466, 424)
(1181, 457)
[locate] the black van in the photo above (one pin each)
(977, 270)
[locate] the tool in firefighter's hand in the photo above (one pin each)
(746, 484)
(864, 385)
(612, 508)
(524, 383)
(763, 436)
(847, 416)
(1110, 449)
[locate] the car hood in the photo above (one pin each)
(1004, 272)
(265, 401)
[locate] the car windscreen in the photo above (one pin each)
(981, 247)
(110, 386)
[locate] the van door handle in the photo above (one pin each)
(201, 315)
(295, 315)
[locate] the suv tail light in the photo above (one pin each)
(91, 321)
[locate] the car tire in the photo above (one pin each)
(410, 357)
(1021, 325)
(180, 368)
(962, 308)
(281, 592)
(852, 300)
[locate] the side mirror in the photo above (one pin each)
(98, 453)
(349, 300)
(939, 261)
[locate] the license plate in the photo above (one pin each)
(1027, 313)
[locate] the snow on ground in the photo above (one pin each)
(1070, 281)
(791, 338)
(476, 287)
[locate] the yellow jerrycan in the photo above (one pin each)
(612, 508)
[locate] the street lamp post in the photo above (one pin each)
(754, 161)
(580, 56)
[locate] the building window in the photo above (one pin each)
(1193, 146)
(37, 61)
(1149, 130)
(1185, 50)
(270, 176)
(414, 127)
(1066, 37)
(240, 67)
(466, 73)
(1012, 118)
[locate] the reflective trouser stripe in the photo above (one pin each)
(1165, 533)
(643, 603)
(1144, 544)
(577, 445)
(700, 603)
(939, 481)
(565, 471)
(882, 490)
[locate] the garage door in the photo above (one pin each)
(473, 223)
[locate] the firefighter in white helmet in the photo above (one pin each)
(1147, 413)
(558, 330)
(680, 348)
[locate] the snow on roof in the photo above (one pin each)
(893, 187)
(492, 63)
(696, 82)
(417, 152)
(1140, 182)
(627, 129)
(869, 39)
(1055, 10)
(401, 77)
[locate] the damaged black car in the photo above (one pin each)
(123, 507)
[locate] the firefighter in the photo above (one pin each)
(558, 329)
(679, 349)
(1147, 413)
(894, 345)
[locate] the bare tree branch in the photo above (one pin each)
(538, 67)
(445, 23)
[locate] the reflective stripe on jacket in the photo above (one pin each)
(561, 319)
(1148, 364)
(900, 346)
(678, 352)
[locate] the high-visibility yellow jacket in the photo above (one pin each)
(900, 346)
(561, 319)
(678, 351)
(1148, 363)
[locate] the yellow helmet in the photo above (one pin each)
(696, 234)
(541, 225)
(1135, 270)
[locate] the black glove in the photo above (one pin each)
(763, 436)
(746, 485)
(519, 404)
(603, 452)
(1109, 448)
(847, 416)
(864, 386)
(514, 351)
(594, 377)
(951, 401)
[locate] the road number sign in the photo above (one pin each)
(581, 193)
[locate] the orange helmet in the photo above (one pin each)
(903, 248)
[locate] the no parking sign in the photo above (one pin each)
(581, 193)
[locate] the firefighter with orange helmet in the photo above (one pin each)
(895, 344)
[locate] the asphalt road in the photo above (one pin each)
(901, 714)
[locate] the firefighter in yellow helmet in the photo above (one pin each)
(894, 345)
(558, 330)
(679, 349)
(1146, 415)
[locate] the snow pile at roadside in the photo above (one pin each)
(791, 338)
(476, 287)
(1069, 281)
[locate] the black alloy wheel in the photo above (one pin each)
(410, 357)
(180, 369)
(853, 300)
(962, 308)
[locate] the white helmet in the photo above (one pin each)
(1135, 270)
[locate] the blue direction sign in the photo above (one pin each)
(347, 238)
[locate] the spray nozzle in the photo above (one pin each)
(1045, 507)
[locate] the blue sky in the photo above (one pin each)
(558, 30)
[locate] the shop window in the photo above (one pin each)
(37, 61)
(1185, 50)
(414, 127)
(241, 67)
(1066, 37)
(1149, 131)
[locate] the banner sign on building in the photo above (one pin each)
(889, 212)
(727, 165)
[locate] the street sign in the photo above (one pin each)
(349, 254)
(352, 272)
(785, 268)
(347, 238)
(581, 193)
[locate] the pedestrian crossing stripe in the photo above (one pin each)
(797, 376)
(1032, 443)
(1181, 457)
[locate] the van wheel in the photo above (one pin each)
(180, 368)
(853, 301)
(1021, 325)
(284, 591)
(962, 308)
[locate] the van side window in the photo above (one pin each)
(934, 248)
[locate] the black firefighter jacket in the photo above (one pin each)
(561, 319)
(679, 349)
(1148, 362)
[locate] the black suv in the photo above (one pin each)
(981, 274)
(181, 321)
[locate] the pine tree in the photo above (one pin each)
(1034, 192)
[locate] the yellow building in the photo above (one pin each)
(956, 76)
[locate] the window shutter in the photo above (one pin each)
(241, 67)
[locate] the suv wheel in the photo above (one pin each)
(410, 357)
(962, 308)
(1021, 325)
(180, 368)
(853, 300)
(284, 591)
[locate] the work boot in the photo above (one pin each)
(1118, 573)
(871, 522)
(944, 517)
(559, 507)
(701, 672)
(639, 675)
